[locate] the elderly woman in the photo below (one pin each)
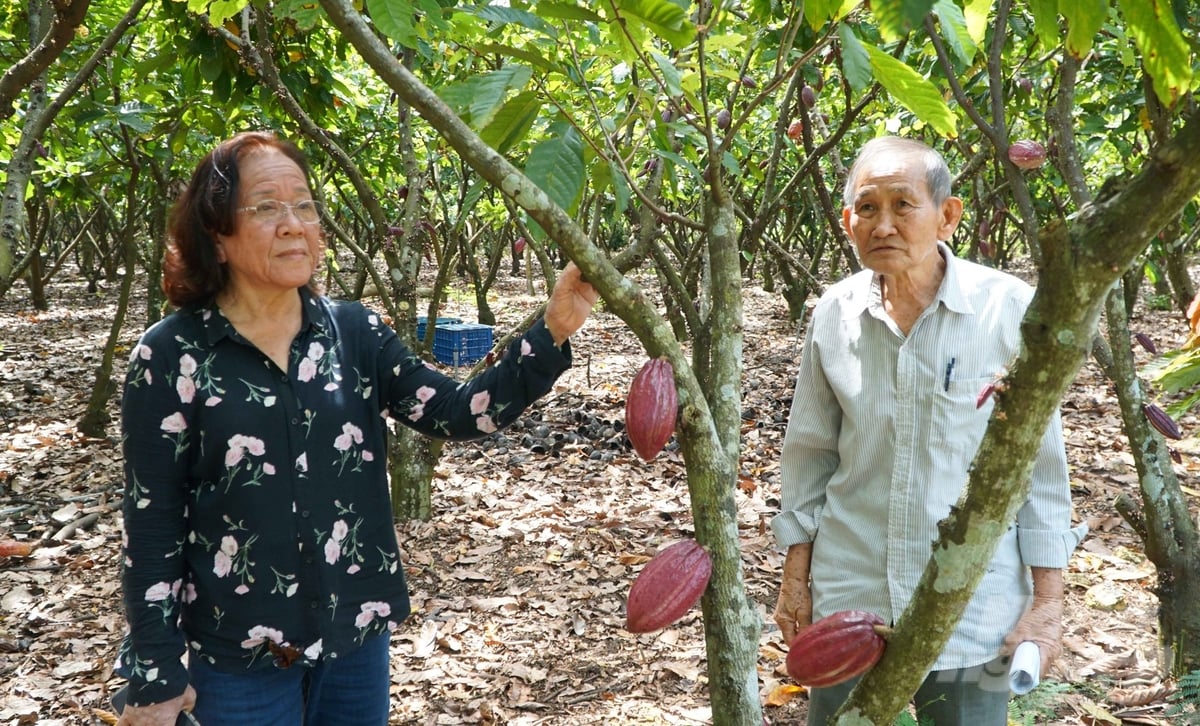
(258, 530)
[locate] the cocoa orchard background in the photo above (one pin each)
(519, 578)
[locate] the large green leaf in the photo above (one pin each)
(524, 18)
(1084, 20)
(512, 123)
(394, 18)
(975, 13)
(897, 17)
(1045, 21)
(1165, 53)
(820, 12)
(479, 98)
(955, 31)
(566, 11)
(662, 18)
(855, 61)
(913, 91)
(556, 166)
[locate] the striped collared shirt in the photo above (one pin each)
(882, 430)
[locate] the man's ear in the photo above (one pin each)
(952, 210)
(846, 212)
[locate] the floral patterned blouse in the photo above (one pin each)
(257, 514)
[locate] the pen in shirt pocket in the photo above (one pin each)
(949, 375)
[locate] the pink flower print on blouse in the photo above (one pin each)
(423, 394)
(333, 545)
(526, 349)
(223, 560)
(350, 438)
(236, 460)
(174, 429)
(479, 405)
(163, 595)
(371, 610)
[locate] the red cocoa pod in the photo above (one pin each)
(518, 245)
(1146, 342)
(668, 586)
(651, 407)
(1027, 154)
(836, 648)
(808, 97)
(724, 118)
(795, 130)
(1163, 423)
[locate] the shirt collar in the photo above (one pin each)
(217, 326)
(867, 293)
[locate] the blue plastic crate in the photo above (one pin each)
(461, 344)
(423, 320)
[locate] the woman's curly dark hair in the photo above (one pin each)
(207, 208)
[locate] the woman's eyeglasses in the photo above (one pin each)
(273, 211)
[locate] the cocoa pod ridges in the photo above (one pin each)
(651, 408)
(836, 648)
(668, 586)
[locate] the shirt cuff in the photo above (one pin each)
(539, 339)
(1049, 548)
(795, 527)
(164, 687)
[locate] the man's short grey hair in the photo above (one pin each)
(937, 173)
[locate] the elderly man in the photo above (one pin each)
(883, 428)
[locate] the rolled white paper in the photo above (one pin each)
(1025, 669)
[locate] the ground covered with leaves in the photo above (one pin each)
(519, 578)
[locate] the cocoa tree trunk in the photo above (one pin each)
(710, 436)
(1171, 538)
(411, 460)
(1081, 260)
(95, 416)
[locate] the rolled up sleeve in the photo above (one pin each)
(1045, 536)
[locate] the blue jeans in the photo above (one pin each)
(975, 696)
(349, 691)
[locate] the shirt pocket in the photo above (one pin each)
(958, 422)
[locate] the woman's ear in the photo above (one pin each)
(220, 248)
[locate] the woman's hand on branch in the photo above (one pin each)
(570, 303)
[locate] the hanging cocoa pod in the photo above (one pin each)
(837, 648)
(1163, 423)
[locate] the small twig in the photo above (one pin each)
(83, 522)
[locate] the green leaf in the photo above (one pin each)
(567, 11)
(896, 18)
(855, 61)
(394, 18)
(1045, 21)
(1084, 20)
(820, 12)
(512, 123)
(135, 115)
(661, 17)
(913, 91)
(954, 30)
(1164, 51)
(529, 54)
(670, 74)
(504, 16)
(556, 166)
(220, 10)
(479, 98)
(975, 13)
